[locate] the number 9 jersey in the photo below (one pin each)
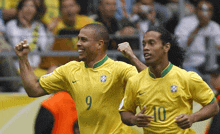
(166, 97)
(97, 93)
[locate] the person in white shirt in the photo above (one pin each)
(192, 32)
(28, 26)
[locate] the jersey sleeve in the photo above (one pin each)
(129, 101)
(200, 90)
(55, 81)
(127, 72)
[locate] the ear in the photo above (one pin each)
(78, 8)
(167, 47)
(101, 44)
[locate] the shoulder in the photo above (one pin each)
(84, 18)
(72, 64)
(188, 75)
(11, 23)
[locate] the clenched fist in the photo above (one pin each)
(22, 49)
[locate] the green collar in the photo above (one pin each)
(164, 72)
(99, 63)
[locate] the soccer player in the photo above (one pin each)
(96, 84)
(165, 92)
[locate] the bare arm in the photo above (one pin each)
(141, 119)
(126, 50)
(185, 121)
(29, 80)
(9, 13)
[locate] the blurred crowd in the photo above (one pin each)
(53, 25)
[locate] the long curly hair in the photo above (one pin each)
(176, 53)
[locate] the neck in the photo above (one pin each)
(157, 69)
(90, 63)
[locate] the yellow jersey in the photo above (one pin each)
(166, 97)
(80, 21)
(52, 10)
(97, 93)
(7, 4)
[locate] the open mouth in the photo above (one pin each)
(147, 56)
(80, 51)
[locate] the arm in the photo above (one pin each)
(8, 14)
(126, 50)
(29, 80)
(185, 121)
(192, 36)
(141, 119)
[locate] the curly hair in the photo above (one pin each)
(176, 53)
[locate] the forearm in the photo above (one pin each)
(9, 13)
(29, 80)
(192, 36)
(128, 118)
(206, 112)
(137, 63)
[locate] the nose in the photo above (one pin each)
(146, 47)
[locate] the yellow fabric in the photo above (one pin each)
(52, 10)
(80, 21)
(97, 93)
(39, 72)
(7, 4)
(166, 98)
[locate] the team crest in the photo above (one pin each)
(103, 78)
(173, 89)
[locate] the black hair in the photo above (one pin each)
(100, 32)
(60, 3)
(176, 53)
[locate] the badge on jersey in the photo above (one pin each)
(173, 88)
(103, 78)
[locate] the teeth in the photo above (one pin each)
(80, 51)
(147, 55)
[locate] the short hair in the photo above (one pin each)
(176, 53)
(100, 32)
(60, 3)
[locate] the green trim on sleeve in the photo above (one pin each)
(213, 100)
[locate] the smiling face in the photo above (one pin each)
(69, 9)
(29, 10)
(154, 51)
(88, 46)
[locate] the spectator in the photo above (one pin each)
(192, 32)
(124, 9)
(28, 26)
(68, 25)
(163, 14)
(146, 17)
(69, 19)
(7, 68)
(105, 15)
(57, 115)
(173, 5)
